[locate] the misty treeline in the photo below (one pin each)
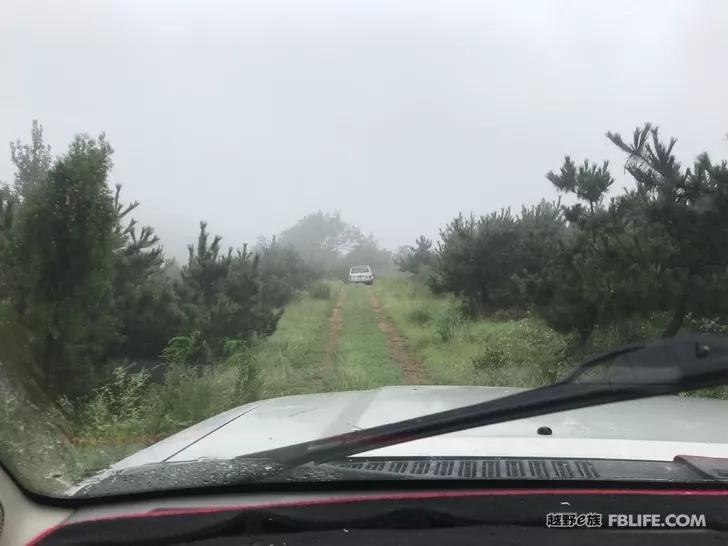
(330, 246)
(82, 284)
(658, 252)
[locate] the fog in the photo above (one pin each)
(399, 114)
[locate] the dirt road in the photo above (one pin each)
(334, 331)
(412, 370)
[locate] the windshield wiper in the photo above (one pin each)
(632, 372)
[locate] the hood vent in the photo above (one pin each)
(488, 469)
(398, 467)
(586, 469)
(514, 469)
(491, 469)
(420, 468)
(562, 469)
(467, 469)
(538, 469)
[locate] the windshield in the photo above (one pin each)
(266, 223)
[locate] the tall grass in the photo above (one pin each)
(132, 411)
(290, 360)
(498, 350)
(320, 290)
(456, 351)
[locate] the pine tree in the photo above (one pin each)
(32, 161)
(283, 272)
(688, 211)
(221, 295)
(144, 298)
(411, 259)
(62, 252)
(590, 278)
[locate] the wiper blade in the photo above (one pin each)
(629, 373)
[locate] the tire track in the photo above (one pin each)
(413, 372)
(334, 331)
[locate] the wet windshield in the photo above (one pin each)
(391, 208)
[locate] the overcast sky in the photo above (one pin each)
(400, 114)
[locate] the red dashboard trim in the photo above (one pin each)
(394, 496)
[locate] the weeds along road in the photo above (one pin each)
(397, 332)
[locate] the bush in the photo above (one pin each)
(221, 295)
(242, 359)
(191, 394)
(492, 357)
(481, 259)
(116, 409)
(320, 290)
(705, 325)
(541, 349)
(283, 274)
(187, 396)
(191, 350)
(420, 316)
(523, 353)
(447, 322)
(411, 259)
(131, 407)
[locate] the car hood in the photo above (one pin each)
(655, 429)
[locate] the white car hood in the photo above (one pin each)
(655, 429)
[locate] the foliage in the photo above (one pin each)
(130, 405)
(567, 292)
(328, 246)
(420, 316)
(61, 260)
(366, 251)
(588, 183)
(515, 353)
(118, 407)
(188, 350)
(649, 251)
(320, 290)
(221, 295)
(689, 210)
(145, 302)
(481, 260)
(291, 361)
(32, 161)
(412, 259)
(86, 285)
(187, 396)
(492, 358)
(8, 205)
(321, 239)
(241, 358)
(447, 322)
(708, 325)
(283, 273)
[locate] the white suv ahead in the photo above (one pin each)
(361, 273)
